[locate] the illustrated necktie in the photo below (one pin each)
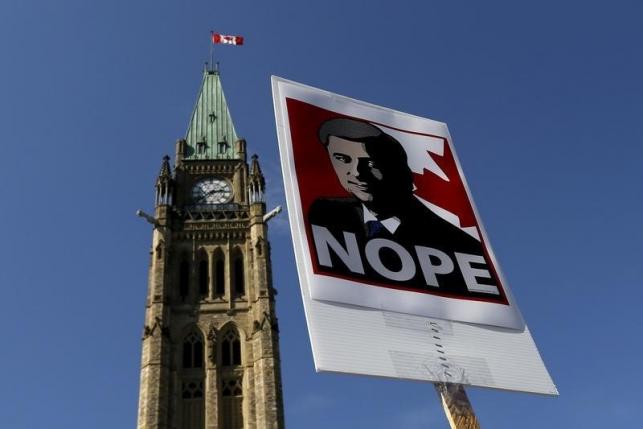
(374, 227)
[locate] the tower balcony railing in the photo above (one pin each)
(215, 207)
(227, 211)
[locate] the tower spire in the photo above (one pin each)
(164, 183)
(211, 133)
(256, 182)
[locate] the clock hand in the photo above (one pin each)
(202, 197)
(207, 194)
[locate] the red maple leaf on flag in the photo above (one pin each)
(450, 195)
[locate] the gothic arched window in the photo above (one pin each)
(238, 286)
(192, 351)
(231, 348)
(204, 278)
(231, 376)
(219, 273)
(191, 387)
(232, 402)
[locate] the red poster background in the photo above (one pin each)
(316, 178)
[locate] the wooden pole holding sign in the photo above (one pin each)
(457, 406)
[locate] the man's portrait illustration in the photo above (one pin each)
(366, 223)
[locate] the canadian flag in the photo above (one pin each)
(227, 40)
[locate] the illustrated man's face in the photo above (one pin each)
(356, 170)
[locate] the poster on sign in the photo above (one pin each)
(396, 272)
(381, 213)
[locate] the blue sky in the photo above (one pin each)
(544, 103)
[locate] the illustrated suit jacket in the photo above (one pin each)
(419, 227)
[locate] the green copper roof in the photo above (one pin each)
(211, 133)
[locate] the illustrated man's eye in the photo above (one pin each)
(342, 158)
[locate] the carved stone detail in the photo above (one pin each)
(267, 321)
(212, 342)
(148, 331)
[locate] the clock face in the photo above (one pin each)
(211, 191)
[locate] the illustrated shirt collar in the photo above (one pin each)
(391, 224)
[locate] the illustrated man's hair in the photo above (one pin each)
(383, 148)
(349, 129)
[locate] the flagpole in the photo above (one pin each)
(456, 406)
(211, 50)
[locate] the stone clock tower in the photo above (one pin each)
(210, 343)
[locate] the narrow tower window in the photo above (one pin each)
(232, 407)
(231, 349)
(231, 375)
(191, 387)
(219, 273)
(204, 277)
(239, 281)
(192, 351)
